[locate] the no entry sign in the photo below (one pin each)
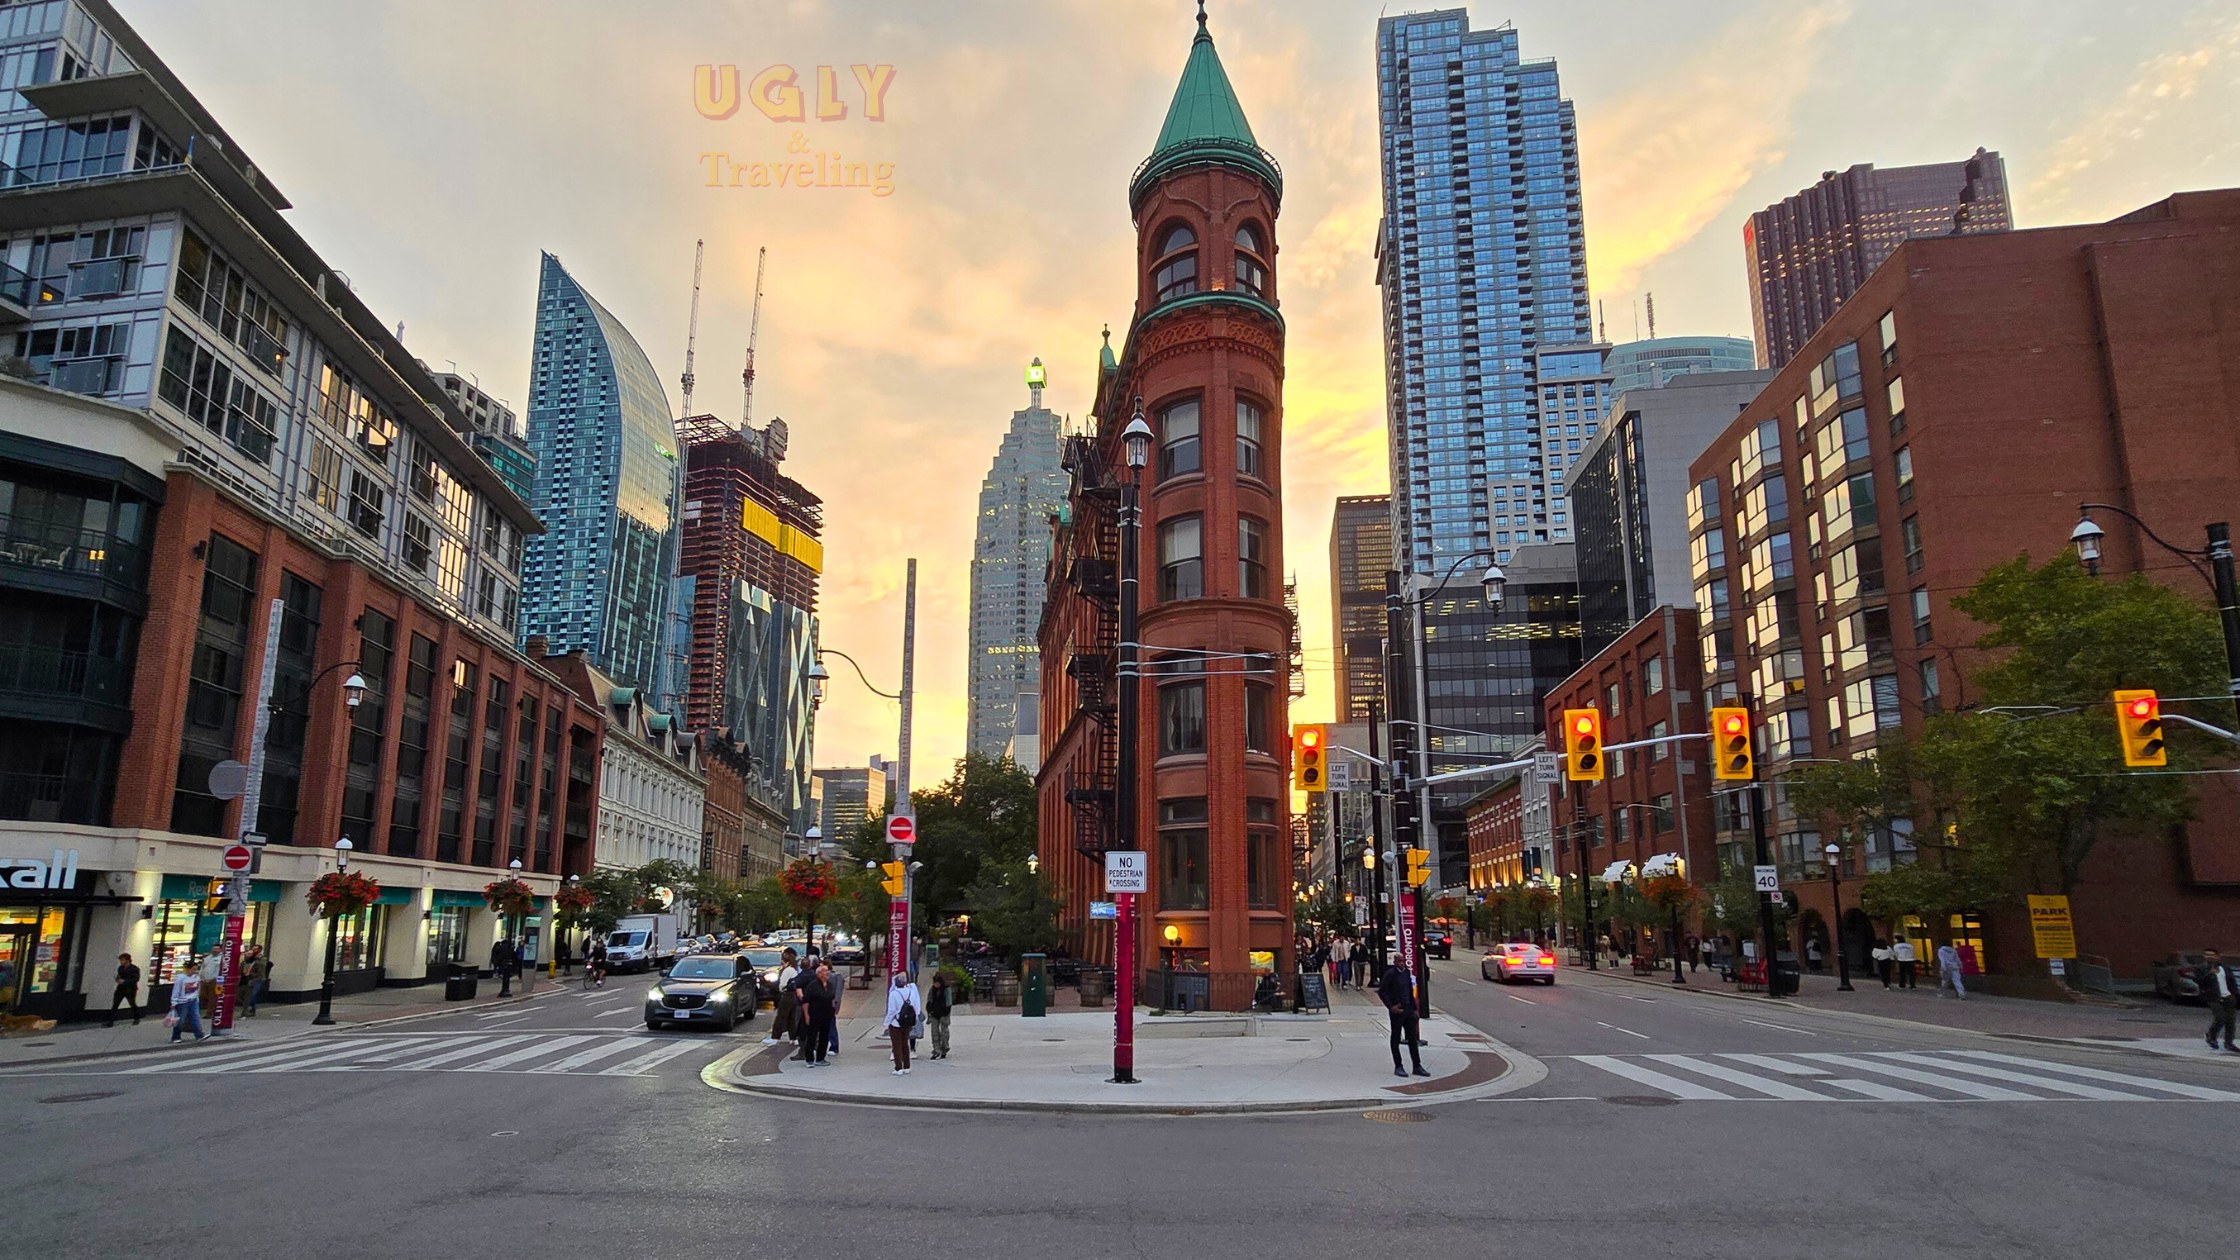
(902, 829)
(237, 857)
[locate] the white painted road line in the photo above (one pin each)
(531, 1051)
(2093, 1092)
(1718, 1072)
(478, 1045)
(1871, 1089)
(1672, 1085)
(2113, 1078)
(1781, 1027)
(1627, 1031)
(1514, 998)
(648, 1061)
(1942, 1081)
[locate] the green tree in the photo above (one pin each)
(1328, 915)
(1013, 910)
(984, 814)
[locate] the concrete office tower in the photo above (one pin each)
(493, 431)
(1360, 553)
(1810, 252)
(1629, 498)
(1482, 260)
(1652, 362)
(851, 794)
(597, 579)
(1010, 551)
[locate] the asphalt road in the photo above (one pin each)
(563, 1128)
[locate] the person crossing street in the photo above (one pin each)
(1397, 990)
(2220, 988)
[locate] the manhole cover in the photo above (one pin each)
(90, 1096)
(1396, 1117)
(1642, 1100)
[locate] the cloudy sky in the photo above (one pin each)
(433, 147)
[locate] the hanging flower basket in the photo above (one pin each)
(807, 881)
(1668, 892)
(571, 901)
(509, 896)
(338, 893)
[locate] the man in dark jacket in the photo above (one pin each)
(1397, 990)
(502, 960)
(2220, 989)
(817, 1001)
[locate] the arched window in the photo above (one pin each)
(1175, 270)
(1252, 267)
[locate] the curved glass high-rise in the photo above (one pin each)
(597, 579)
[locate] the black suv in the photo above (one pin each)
(711, 989)
(1438, 943)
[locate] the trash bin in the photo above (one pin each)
(1786, 976)
(1034, 986)
(459, 985)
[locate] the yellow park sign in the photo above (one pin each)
(2051, 928)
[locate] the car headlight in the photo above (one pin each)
(655, 994)
(718, 999)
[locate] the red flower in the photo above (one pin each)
(509, 896)
(338, 893)
(807, 881)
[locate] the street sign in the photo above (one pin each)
(902, 829)
(1341, 775)
(229, 779)
(1547, 769)
(1104, 909)
(1127, 871)
(237, 857)
(2051, 927)
(1768, 878)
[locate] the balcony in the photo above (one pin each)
(55, 798)
(39, 547)
(21, 293)
(30, 669)
(102, 277)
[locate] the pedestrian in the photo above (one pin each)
(561, 956)
(502, 960)
(595, 963)
(817, 1002)
(2220, 989)
(1398, 993)
(1695, 953)
(1341, 962)
(1883, 960)
(1948, 970)
(788, 1001)
(1902, 951)
(937, 1015)
(1812, 955)
(127, 992)
(186, 1003)
(256, 972)
(835, 986)
(904, 1006)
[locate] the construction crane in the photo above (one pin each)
(692, 333)
(754, 327)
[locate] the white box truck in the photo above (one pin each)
(642, 942)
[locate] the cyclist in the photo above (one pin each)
(595, 965)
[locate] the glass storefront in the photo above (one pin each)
(184, 930)
(447, 937)
(357, 940)
(38, 958)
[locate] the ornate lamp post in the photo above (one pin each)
(1835, 901)
(325, 1016)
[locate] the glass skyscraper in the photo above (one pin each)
(598, 578)
(1482, 261)
(1024, 488)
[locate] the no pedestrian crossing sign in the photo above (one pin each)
(1126, 871)
(902, 829)
(1768, 878)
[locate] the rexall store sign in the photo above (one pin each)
(61, 871)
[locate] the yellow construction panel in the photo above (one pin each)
(759, 521)
(801, 547)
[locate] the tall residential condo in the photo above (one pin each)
(1360, 554)
(1010, 549)
(598, 578)
(1810, 252)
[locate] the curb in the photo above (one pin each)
(1518, 1071)
(309, 1030)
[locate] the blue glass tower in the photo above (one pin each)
(1482, 260)
(598, 578)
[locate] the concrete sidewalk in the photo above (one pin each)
(1185, 1064)
(90, 1039)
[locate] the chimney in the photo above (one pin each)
(536, 647)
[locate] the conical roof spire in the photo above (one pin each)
(1205, 123)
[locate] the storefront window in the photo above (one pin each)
(357, 940)
(447, 936)
(184, 931)
(31, 956)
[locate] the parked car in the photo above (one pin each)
(1518, 961)
(2173, 976)
(713, 989)
(1438, 943)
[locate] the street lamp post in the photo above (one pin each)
(2218, 553)
(512, 930)
(326, 979)
(1835, 901)
(1136, 441)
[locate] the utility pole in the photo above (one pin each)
(1407, 823)
(252, 795)
(903, 948)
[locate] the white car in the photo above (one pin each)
(1519, 962)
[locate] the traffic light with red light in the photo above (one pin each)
(1582, 745)
(1309, 757)
(1730, 745)
(2139, 723)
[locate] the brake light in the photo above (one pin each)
(1547, 960)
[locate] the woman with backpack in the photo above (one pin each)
(904, 1008)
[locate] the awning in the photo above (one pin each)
(1662, 864)
(447, 898)
(1615, 873)
(393, 895)
(196, 887)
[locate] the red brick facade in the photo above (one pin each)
(1496, 830)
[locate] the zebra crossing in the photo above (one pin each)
(1889, 1076)
(542, 1053)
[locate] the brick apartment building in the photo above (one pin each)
(1951, 416)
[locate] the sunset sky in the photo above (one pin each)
(433, 147)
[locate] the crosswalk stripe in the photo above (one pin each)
(250, 1060)
(596, 1053)
(298, 1062)
(1720, 1072)
(196, 1062)
(474, 1046)
(650, 1060)
(1771, 1064)
(2093, 1092)
(2114, 1078)
(1672, 1085)
(533, 1050)
(1944, 1082)
(1819, 1075)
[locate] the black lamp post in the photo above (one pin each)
(325, 1016)
(1835, 902)
(2218, 553)
(513, 940)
